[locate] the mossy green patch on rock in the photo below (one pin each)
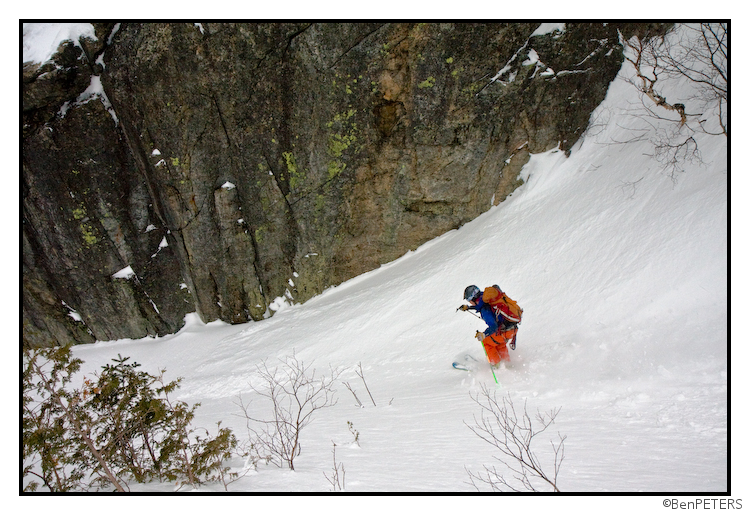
(342, 137)
(89, 235)
(79, 213)
(335, 168)
(339, 143)
(296, 176)
(87, 230)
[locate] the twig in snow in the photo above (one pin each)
(348, 386)
(362, 376)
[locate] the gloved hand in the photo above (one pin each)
(463, 307)
(479, 336)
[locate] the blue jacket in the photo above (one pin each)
(487, 315)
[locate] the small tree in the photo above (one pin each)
(122, 427)
(294, 395)
(210, 454)
(514, 434)
(58, 431)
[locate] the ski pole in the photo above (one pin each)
(467, 311)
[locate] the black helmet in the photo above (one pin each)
(472, 293)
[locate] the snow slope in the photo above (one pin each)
(622, 274)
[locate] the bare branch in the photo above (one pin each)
(700, 55)
(349, 387)
(361, 374)
(513, 433)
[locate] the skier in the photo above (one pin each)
(500, 331)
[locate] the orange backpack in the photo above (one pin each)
(502, 305)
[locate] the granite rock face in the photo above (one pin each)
(230, 165)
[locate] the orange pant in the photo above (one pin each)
(496, 345)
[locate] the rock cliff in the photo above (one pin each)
(219, 168)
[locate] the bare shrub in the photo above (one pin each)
(701, 55)
(514, 434)
(337, 478)
(295, 395)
